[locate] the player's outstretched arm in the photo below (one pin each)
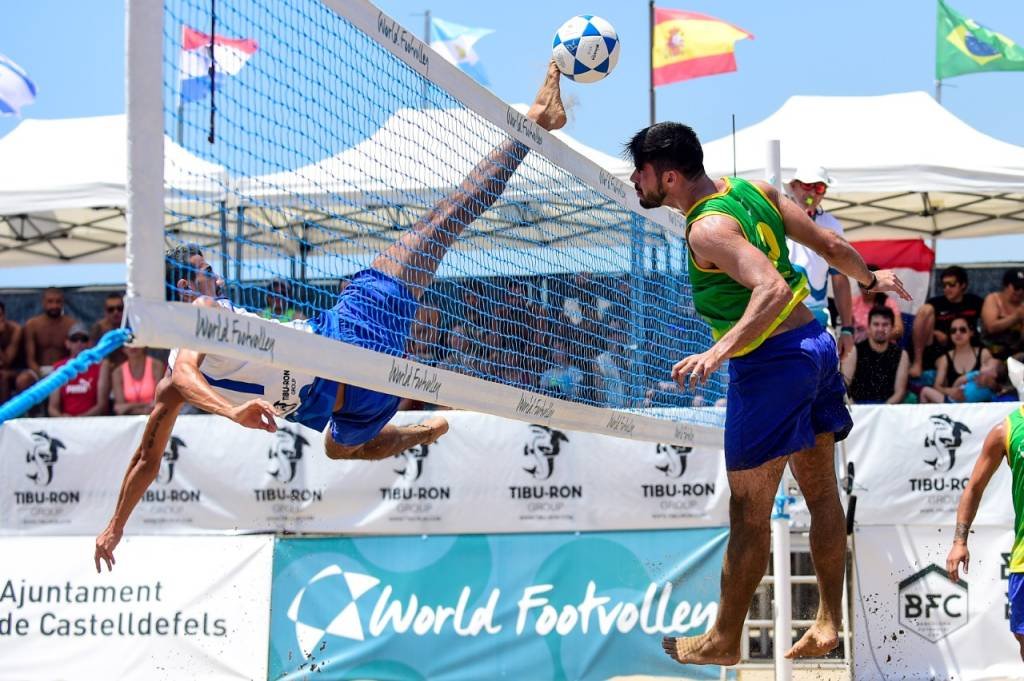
(992, 454)
(142, 469)
(194, 388)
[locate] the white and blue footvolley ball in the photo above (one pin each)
(586, 48)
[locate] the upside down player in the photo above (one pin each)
(1006, 440)
(374, 311)
(785, 399)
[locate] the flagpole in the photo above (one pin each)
(181, 121)
(426, 41)
(938, 90)
(650, 55)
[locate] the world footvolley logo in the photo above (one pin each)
(944, 438)
(931, 604)
(412, 459)
(672, 459)
(327, 604)
(42, 457)
(542, 449)
(169, 460)
(285, 454)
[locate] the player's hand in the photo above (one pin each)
(957, 555)
(845, 345)
(888, 281)
(696, 369)
(105, 545)
(258, 414)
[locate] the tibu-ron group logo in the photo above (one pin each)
(42, 458)
(543, 446)
(672, 459)
(285, 454)
(944, 438)
(169, 460)
(411, 466)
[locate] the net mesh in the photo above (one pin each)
(327, 149)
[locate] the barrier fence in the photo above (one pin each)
(561, 550)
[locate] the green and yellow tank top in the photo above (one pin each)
(719, 298)
(1015, 457)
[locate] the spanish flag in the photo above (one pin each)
(688, 45)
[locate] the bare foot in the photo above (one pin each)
(437, 425)
(817, 641)
(547, 109)
(916, 369)
(699, 650)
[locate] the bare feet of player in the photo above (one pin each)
(703, 649)
(437, 425)
(817, 641)
(547, 109)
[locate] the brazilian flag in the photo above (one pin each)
(965, 46)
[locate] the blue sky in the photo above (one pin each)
(75, 53)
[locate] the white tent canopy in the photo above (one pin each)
(63, 188)
(902, 165)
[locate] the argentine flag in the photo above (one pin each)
(229, 54)
(16, 88)
(455, 43)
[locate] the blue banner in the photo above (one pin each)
(542, 606)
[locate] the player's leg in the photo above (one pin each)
(415, 257)
(389, 441)
(814, 470)
(924, 328)
(746, 559)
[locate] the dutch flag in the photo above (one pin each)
(229, 55)
(16, 88)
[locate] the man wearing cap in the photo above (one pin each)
(808, 188)
(87, 393)
(1002, 317)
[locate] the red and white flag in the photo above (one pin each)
(912, 260)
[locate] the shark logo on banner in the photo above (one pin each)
(945, 438)
(412, 460)
(169, 459)
(285, 454)
(42, 458)
(672, 459)
(543, 447)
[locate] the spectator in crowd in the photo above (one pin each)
(88, 393)
(10, 349)
(562, 379)
(876, 371)
(134, 381)
(1002, 317)
(460, 356)
(982, 385)
(962, 358)
(932, 321)
(421, 346)
(45, 337)
(808, 189)
(279, 302)
(113, 311)
(864, 303)
(610, 388)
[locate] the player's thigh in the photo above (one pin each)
(815, 470)
(753, 490)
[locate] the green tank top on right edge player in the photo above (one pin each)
(719, 298)
(1014, 454)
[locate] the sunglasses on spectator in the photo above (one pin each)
(816, 187)
(950, 283)
(78, 338)
(115, 308)
(959, 329)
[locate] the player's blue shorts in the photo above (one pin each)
(782, 395)
(374, 311)
(1016, 596)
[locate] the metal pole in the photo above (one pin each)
(650, 56)
(938, 91)
(782, 586)
(181, 122)
(426, 27)
(773, 164)
(213, 67)
(734, 145)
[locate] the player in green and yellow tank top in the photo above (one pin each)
(785, 399)
(1006, 440)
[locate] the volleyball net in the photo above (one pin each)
(326, 131)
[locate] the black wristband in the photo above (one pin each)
(874, 282)
(846, 330)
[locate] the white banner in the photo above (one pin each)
(912, 622)
(912, 463)
(174, 608)
(488, 474)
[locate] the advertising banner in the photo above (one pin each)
(912, 622)
(542, 606)
(912, 463)
(488, 474)
(173, 608)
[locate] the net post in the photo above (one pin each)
(144, 105)
(636, 302)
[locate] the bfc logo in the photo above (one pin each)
(42, 458)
